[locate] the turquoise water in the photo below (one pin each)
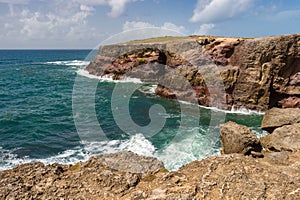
(37, 122)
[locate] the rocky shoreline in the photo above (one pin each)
(249, 168)
(260, 74)
(253, 73)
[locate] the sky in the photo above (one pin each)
(83, 24)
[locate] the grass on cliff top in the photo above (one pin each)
(171, 38)
(157, 39)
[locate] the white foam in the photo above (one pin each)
(240, 110)
(78, 63)
(106, 78)
(148, 89)
(192, 146)
(138, 144)
(245, 111)
(8, 159)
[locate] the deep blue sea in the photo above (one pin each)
(49, 114)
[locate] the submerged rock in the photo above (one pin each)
(238, 139)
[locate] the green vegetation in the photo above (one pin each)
(141, 60)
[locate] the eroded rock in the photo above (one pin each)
(285, 138)
(229, 176)
(130, 162)
(277, 117)
(253, 73)
(238, 139)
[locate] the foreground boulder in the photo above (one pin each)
(286, 138)
(278, 117)
(238, 139)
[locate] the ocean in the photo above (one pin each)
(48, 114)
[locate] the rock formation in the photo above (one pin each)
(276, 117)
(257, 73)
(273, 175)
(284, 128)
(238, 139)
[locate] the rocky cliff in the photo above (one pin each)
(249, 168)
(258, 73)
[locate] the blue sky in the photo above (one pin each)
(85, 23)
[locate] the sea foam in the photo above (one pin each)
(78, 63)
(83, 72)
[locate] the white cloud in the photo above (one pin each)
(14, 1)
(52, 27)
(204, 29)
(209, 11)
(86, 8)
(167, 25)
(135, 25)
(117, 6)
(170, 26)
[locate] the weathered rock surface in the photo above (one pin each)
(257, 73)
(273, 173)
(277, 117)
(238, 139)
(230, 176)
(130, 162)
(286, 138)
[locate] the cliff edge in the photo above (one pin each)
(254, 73)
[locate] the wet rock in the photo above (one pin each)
(277, 117)
(238, 139)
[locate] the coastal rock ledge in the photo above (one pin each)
(243, 171)
(253, 73)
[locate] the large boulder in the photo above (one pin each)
(286, 138)
(238, 139)
(278, 117)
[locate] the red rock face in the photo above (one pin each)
(257, 74)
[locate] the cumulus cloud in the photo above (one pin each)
(23, 26)
(135, 25)
(204, 29)
(130, 25)
(171, 26)
(117, 6)
(14, 1)
(210, 11)
(58, 21)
